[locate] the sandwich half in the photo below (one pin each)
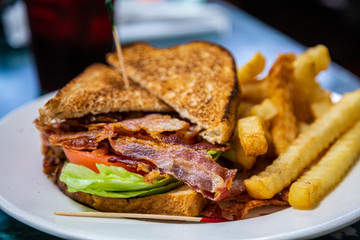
(126, 150)
(197, 79)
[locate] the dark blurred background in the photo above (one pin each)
(334, 23)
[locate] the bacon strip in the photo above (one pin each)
(153, 124)
(90, 140)
(209, 146)
(160, 127)
(179, 139)
(77, 141)
(238, 209)
(195, 168)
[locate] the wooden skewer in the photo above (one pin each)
(137, 216)
(121, 59)
(110, 7)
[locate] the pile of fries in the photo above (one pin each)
(288, 117)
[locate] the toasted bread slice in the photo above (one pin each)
(183, 201)
(197, 79)
(99, 89)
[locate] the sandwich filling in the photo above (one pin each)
(140, 155)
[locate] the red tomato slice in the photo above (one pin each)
(89, 160)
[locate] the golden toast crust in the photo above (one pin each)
(197, 79)
(99, 89)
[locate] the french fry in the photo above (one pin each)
(321, 57)
(304, 73)
(319, 108)
(271, 154)
(241, 158)
(305, 148)
(331, 168)
(284, 123)
(255, 91)
(252, 136)
(302, 126)
(266, 110)
(305, 89)
(249, 71)
(252, 89)
(244, 108)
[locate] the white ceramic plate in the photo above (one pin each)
(27, 195)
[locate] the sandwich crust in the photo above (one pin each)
(197, 79)
(183, 201)
(99, 89)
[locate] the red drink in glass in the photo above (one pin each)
(67, 36)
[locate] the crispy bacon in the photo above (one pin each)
(238, 187)
(176, 138)
(77, 141)
(160, 127)
(89, 140)
(53, 156)
(210, 147)
(214, 211)
(171, 138)
(238, 209)
(153, 124)
(135, 165)
(195, 168)
(84, 123)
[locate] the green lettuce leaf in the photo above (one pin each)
(230, 154)
(113, 182)
(214, 154)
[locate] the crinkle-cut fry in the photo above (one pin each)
(305, 148)
(325, 174)
(266, 110)
(252, 136)
(250, 70)
(305, 89)
(284, 122)
(254, 91)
